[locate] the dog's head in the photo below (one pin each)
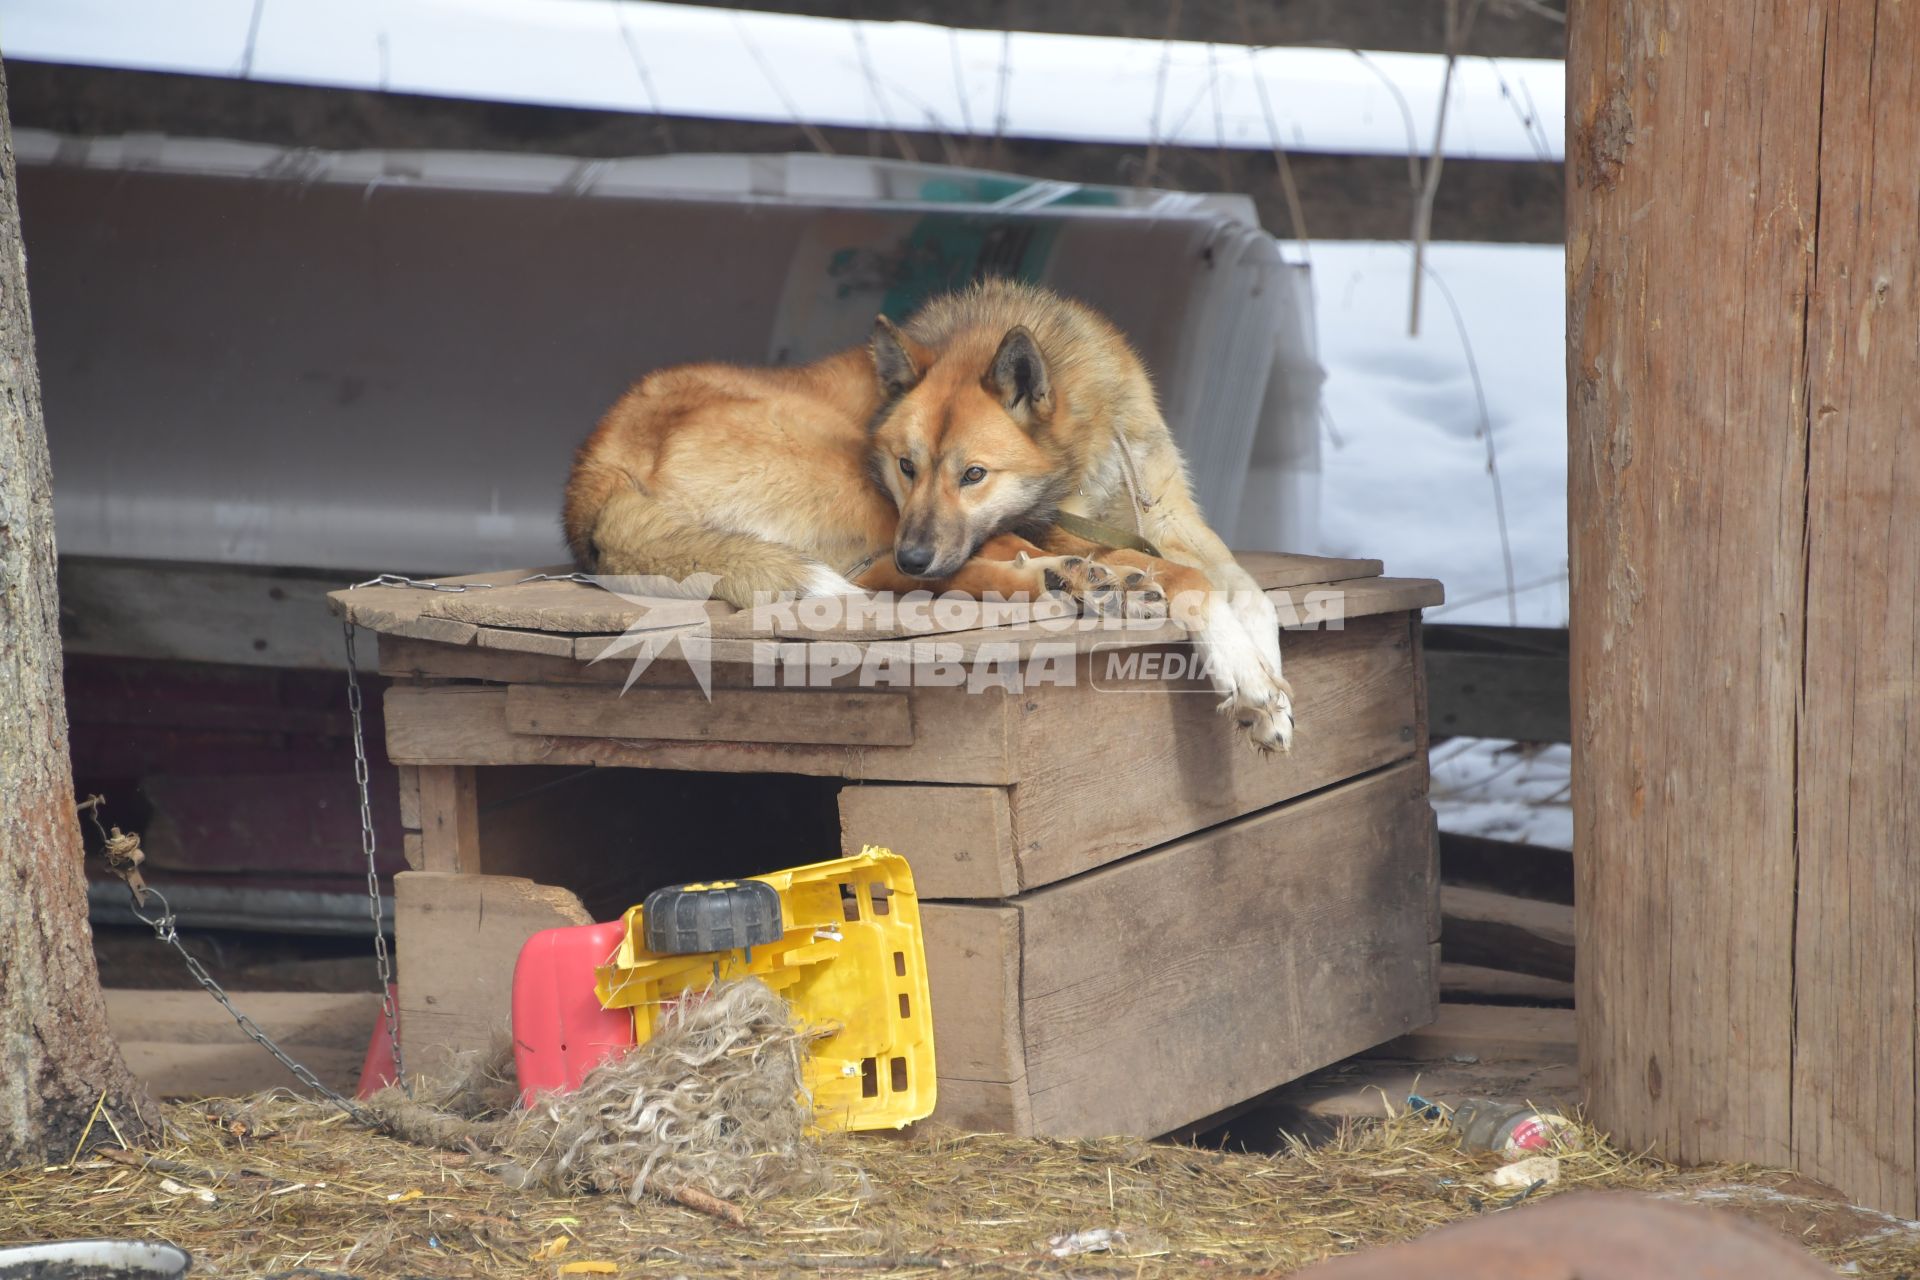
(962, 444)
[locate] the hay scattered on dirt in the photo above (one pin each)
(295, 1185)
(712, 1103)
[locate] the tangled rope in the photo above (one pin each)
(711, 1109)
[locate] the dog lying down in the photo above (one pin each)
(939, 457)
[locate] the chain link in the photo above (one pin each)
(419, 584)
(164, 928)
(584, 579)
(389, 1007)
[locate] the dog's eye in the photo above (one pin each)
(906, 467)
(973, 475)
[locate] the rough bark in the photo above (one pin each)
(57, 1058)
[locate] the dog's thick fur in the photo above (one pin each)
(935, 458)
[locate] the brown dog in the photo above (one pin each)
(936, 458)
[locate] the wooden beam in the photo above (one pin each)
(183, 1045)
(1498, 682)
(449, 818)
(1489, 1033)
(457, 938)
(467, 724)
(1345, 197)
(1743, 311)
(958, 840)
(1473, 984)
(859, 717)
(1497, 931)
(253, 615)
(1504, 866)
(1304, 939)
(1856, 1067)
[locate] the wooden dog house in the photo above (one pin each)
(1133, 921)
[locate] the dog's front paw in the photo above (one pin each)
(1101, 589)
(1264, 712)
(1252, 690)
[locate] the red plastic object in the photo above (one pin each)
(560, 1032)
(376, 1071)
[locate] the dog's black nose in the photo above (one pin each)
(913, 560)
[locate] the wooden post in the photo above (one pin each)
(449, 819)
(1743, 266)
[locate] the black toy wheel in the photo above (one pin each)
(723, 915)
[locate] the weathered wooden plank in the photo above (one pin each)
(1226, 964)
(1490, 1033)
(1422, 748)
(1472, 984)
(395, 609)
(467, 724)
(183, 1045)
(445, 631)
(983, 1106)
(1502, 932)
(1696, 210)
(1185, 766)
(567, 606)
(404, 656)
(1856, 931)
(500, 602)
(1422, 689)
(449, 819)
(409, 784)
(1318, 606)
(457, 938)
(547, 643)
(842, 717)
(1523, 870)
(973, 971)
(958, 840)
(297, 1019)
(1498, 695)
(1332, 602)
(1271, 570)
(245, 614)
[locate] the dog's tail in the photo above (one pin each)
(633, 533)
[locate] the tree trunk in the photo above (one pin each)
(1743, 271)
(57, 1058)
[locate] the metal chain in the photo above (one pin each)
(584, 579)
(421, 584)
(166, 930)
(389, 1007)
(163, 927)
(389, 1010)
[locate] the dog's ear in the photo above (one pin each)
(898, 361)
(1018, 379)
